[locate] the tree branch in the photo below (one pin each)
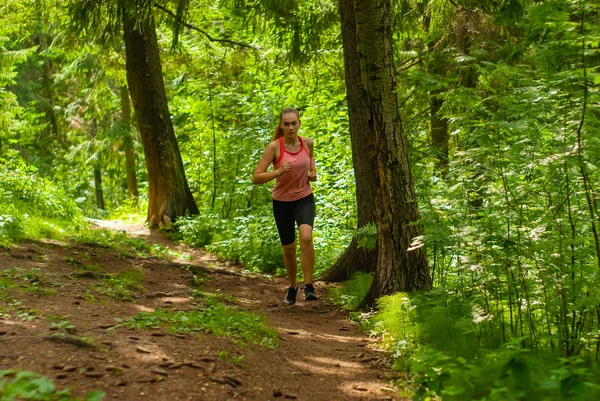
(195, 28)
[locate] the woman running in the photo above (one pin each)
(293, 201)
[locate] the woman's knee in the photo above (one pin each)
(306, 239)
(289, 249)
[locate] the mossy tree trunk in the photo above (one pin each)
(356, 259)
(169, 194)
(401, 264)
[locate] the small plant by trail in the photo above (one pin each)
(25, 385)
(121, 286)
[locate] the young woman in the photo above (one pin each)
(293, 201)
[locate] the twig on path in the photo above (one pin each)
(71, 340)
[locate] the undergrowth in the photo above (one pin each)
(253, 241)
(25, 385)
(435, 336)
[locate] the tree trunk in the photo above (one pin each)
(356, 259)
(97, 170)
(439, 125)
(132, 188)
(439, 130)
(169, 195)
(98, 186)
(401, 263)
(48, 93)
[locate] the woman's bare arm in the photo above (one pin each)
(261, 175)
(312, 171)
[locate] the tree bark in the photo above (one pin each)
(356, 259)
(439, 130)
(98, 186)
(169, 194)
(97, 170)
(132, 188)
(48, 93)
(401, 263)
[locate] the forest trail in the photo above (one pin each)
(321, 355)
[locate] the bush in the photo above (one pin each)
(434, 335)
(31, 206)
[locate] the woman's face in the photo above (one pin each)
(290, 123)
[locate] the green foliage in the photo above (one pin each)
(351, 293)
(367, 237)
(30, 280)
(242, 327)
(25, 385)
(439, 339)
(242, 240)
(31, 206)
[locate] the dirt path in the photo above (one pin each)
(321, 355)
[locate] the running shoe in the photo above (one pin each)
(309, 293)
(290, 297)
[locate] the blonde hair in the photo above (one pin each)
(278, 130)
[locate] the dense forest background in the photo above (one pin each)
(500, 105)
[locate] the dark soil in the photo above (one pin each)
(321, 354)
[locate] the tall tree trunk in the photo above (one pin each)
(169, 195)
(98, 186)
(363, 158)
(48, 93)
(97, 171)
(439, 130)
(401, 263)
(439, 125)
(132, 188)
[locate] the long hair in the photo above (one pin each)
(278, 130)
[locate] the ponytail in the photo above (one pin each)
(278, 130)
(278, 133)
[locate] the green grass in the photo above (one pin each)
(351, 293)
(217, 296)
(121, 286)
(242, 327)
(25, 385)
(22, 280)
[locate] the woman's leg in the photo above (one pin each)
(284, 218)
(290, 262)
(307, 252)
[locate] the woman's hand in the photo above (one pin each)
(284, 169)
(312, 175)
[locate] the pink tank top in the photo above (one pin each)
(294, 184)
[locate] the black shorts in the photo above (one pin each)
(301, 211)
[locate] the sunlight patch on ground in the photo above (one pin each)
(328, 366)
(52, 242)
(301, 333)
(137, 230)
(247, 301)
(156, 353)
(354, 388)
(177, 300)
(12, 323)
(143, 308)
